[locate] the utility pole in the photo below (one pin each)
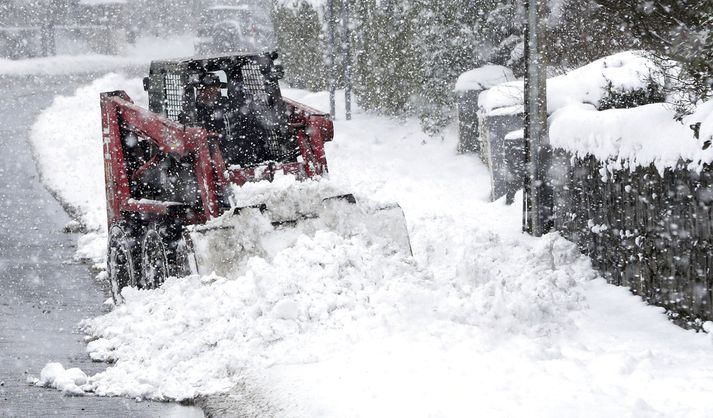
(331, 53)
(346, 42)
(534, 202)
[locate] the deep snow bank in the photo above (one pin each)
(67, 144)
(625, 137)
(482, 321)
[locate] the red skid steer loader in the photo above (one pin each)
(213, 124)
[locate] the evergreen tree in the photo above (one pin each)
(298, 33)
(676, 29)
(585, 31)
(456, 36)
(407, 54)
(386, 67)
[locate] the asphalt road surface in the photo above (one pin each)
(43, 292)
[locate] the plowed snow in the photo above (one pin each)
(482, 321)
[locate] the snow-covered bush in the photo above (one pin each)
(675, 29)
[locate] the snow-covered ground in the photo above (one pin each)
(482, 321)
(141, 53)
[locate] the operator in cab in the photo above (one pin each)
(211, 106)
(243, 135)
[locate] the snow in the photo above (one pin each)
(140, 54)
(318, 5)
(706, 129)
(623, 137)
(69, 381)
(518, 134)
(481, 321)
(69, 155)
(101, 2)
(483, 78)
(626, 71)
(633, 137)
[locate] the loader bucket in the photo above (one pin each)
(225, 245)
(381, 223)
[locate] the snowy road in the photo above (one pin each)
(43, 293)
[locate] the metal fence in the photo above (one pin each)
(648, 231)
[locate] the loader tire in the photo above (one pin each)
(121, 260)
(164, 254)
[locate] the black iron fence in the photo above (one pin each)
(649, 231)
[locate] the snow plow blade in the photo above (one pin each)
(225, 245)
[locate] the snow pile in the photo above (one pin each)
(67, 143)
(622, 72)
(70, 381)
(624, 137)
(300, 208)
(322, 293)
(483, 320)
(483, 77)
(634, 137)
(196, 335)
(217, 327)
(285, 197)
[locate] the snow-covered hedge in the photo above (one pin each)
(618, 74)
(637, 136)
(613, 109)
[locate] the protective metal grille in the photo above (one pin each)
(254, 82)
(174, 96)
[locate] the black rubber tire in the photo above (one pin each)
(164, 253)
(122, 263)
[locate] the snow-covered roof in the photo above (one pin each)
(626, 71)
(483, 78)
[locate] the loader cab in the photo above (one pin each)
(249, 115)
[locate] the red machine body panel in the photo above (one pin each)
(199, 147)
